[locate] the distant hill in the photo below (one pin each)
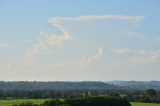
(60, 85)
(57, 85)
(137, 84)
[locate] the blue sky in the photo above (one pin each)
(77, 40)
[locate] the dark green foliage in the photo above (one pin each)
(147, 96)
(36, 90)
(151, 92)
(54, 102)
(83, 101)
(142, 85)
(26, 104)
(56, 93)
(97, 101)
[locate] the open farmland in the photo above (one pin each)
(18, 101)
(144, 104)
(39, 101)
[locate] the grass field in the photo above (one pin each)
(39, 101)
(18, 101)
(144, 104)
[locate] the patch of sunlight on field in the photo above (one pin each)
(18, 101)
(144, 104)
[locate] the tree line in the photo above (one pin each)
(24, 89)
(148, 96)
(49, 93)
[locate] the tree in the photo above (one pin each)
(151, 92)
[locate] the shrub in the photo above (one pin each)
(97, 101)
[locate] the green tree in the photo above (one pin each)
(151, 92)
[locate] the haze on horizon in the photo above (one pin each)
(79, 40)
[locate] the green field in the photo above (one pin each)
(144, 104)
(39, 101)
(18, 101)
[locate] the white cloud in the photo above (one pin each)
(122, 50)
(47, 39)
(59, 20)
(55, 40)
(91, 58)
(139, 56)
(79, 63)
(145, 57)
(135, 34)
(82, 63)
(3, 45)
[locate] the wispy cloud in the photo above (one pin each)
(139, 56)
(91, 58)
(122, 50)
(58, 20)
(146, 57)
(47, 39)
(136, 34)
(3, 45)
(81, 63)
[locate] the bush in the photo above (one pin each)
(97, 101)
(84, 101)
(54, 102)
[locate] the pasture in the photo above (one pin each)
(18, 101)
(144, 104)
(39, 101)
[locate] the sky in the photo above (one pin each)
(79, 40)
